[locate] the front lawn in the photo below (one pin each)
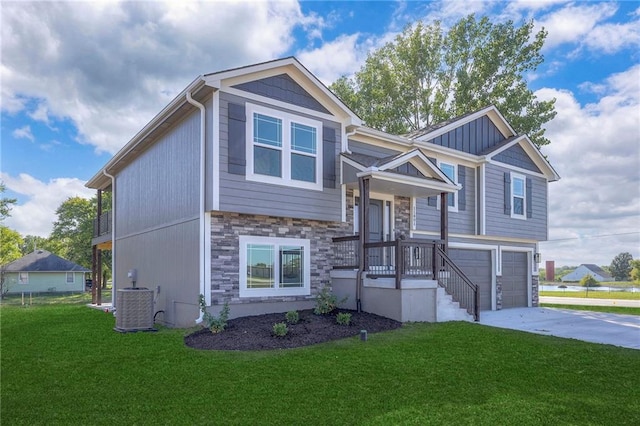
(594, 294)
(609, 309)
(64, 364)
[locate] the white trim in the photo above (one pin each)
(413, 213)
(532, 152)
(287, 119)
(492, 238)
(216, 151)
(516, 169)
(453, 208)
(523, 178)
(207, 258)
(244, 240)
(411, 180)
(530, 272)
(483, 201)
(20, 281)
(491, 112)
(73, 278)
(343, 201)
(388, 218)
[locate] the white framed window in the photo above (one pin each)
(451, 170)
(70, 277)
(283, 148)
(23, 278)
(274, 266)
(518, 196)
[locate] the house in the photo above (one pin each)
(258, 187)
(43, 271)
(588, 269)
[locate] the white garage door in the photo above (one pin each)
(476, 265)
(514, 279)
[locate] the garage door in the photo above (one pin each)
(514, 279)
(476, 264)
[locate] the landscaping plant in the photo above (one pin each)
(213, 323)
(292, 317)
(280, 329)
(343, 318)
(326, 302)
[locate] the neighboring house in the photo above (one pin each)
(42, 271)
(588, 269)
(257, 186)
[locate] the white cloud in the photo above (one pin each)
(23, 132)
(596, 150)
(351, 52)
(35, 216)
(111, 66)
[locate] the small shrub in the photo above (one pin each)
(213, 323)
(292, 317)
(326, 302)
(280, 329)
(589, 281)
(343, 318)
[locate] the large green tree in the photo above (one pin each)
(5, 203)
(620, 267)
(428, 75)
(73, 230)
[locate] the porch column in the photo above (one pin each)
(444, 220)
(363, 228)
(96, 267)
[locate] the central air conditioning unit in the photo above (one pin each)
(134, 309)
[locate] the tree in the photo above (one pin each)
(635, 270)
(73, 230)
(621, 266)
(589, 281)
(10, 244)
(426, 76)
(5, 203)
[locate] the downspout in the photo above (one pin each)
(113, 239)
(201, 214)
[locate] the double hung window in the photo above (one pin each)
(284, 149)
(451, 171)
(518, 196)
(23, 278)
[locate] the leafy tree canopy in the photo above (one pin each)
(10, 245)
(428, 75)
(5, 203)
(74, 229)
(621, 266)
(635, 270)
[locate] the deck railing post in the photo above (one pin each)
(399, 258)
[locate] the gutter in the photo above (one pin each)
(113, 239)
(201, 215)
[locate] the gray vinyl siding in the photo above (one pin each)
(460, 222)
(283, 88)
(473, 137)
(516, 156)
(162, 185)
(500, 224)
(242, 196)
(167, 258)
(371, 150)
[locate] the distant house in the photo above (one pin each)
(43, 271)
(587, 269)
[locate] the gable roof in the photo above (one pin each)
(530, 148)
(43, 261)
(596, 269)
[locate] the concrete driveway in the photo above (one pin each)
(595, 327)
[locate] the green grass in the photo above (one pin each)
(597, 294)
(609, 309)
(54, 298)
(64, 364)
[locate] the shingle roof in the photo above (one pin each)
(43, 261)
(598, 270)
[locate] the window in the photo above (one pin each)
(451, 171)
(284, 149)
(23, 278)
(274, 266)
(70, 277)
(518, 196)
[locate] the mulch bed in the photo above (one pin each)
(255, 333)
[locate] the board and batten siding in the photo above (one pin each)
(473, 137)
(500, 224)
(239, 195)
(371, 150)
(162, 186)
(167, 258)
(461, 221)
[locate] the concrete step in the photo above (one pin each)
(448, 310)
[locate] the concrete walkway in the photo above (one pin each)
(595, 327)
(589, 302)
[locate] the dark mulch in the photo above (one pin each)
(256, 332)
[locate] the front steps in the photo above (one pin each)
(448, 310)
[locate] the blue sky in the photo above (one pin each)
(79, 79)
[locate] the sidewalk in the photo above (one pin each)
(589, 302)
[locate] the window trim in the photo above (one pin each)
(276, 242)
(73, 278)
(523, 178)
(20, 280)
(286, 148)
(454, 207)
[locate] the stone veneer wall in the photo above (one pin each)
(535, 296)
(225, 254)
(402, 216)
